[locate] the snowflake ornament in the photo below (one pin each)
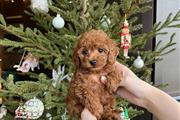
(59, 75)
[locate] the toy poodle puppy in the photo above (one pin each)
(95, 53)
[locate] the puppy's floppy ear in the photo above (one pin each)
(113, 52)
(76, 58)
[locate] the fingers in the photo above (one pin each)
(126, 71)
(129, 80)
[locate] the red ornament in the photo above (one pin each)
(125, 38)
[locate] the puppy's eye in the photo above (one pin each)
(85, 52)
(101, 50)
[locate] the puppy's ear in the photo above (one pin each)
(76, 58)
(113, 52)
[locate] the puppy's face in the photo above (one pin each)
(94, 51)
(93, 57)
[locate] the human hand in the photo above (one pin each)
(86, 115)
(142, 94)
(132, 88)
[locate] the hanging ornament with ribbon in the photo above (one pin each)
(125, 38)
(138, 62)
(30, 62)
(58, 22)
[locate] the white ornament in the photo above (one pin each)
(105, 22)
(40, 5)
(34, 108)
(138, 62)
(3, 111)
(58, 22)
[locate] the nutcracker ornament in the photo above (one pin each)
(125, 38)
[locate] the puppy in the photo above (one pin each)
(95, 53)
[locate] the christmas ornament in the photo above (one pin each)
(125, 38)
(138, 62)
(3, 111)
(105, 22)
(58, 22)
(21, 112)
(58, 75)
(30, 61)
(40, 5)
(34, 108)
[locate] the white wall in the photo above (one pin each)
(168, 70)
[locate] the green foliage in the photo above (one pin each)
(3, 22)
(53, 98)
(54, 47)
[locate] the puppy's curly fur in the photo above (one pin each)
(95, 53)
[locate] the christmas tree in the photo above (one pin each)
(52, 45)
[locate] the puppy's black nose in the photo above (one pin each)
(92, 62)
